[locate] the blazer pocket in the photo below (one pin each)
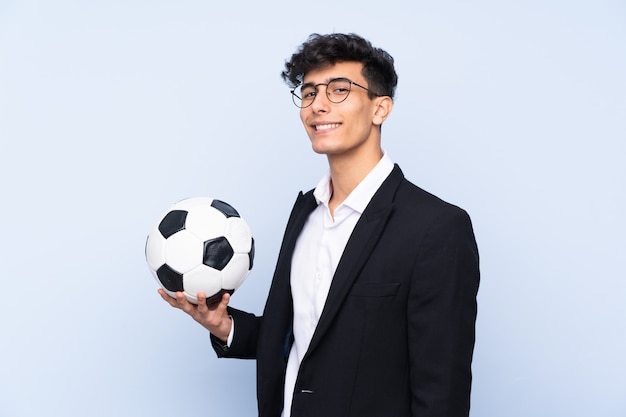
(375, 290)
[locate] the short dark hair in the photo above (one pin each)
(323, 50)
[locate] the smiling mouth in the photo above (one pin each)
(327, 126)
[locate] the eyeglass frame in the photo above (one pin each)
(295, 97)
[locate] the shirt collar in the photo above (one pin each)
(360, 197)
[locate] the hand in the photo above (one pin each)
(214, 318)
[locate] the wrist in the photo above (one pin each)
(223, 334)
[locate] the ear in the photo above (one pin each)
(382, 109)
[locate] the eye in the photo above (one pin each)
(339, 87)
(308, 93)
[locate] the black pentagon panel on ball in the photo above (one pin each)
(173, 222)
(171, 280)
(217, 253)
(216, 298)
(251, 254)
(227, 209)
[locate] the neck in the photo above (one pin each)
(347, 172)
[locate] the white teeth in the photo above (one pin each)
(327, 126)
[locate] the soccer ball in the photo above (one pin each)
(200, 244)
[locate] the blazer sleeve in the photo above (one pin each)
(441, 317)
(245, 336)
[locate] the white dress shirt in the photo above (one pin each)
(316, 255)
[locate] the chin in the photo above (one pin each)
(322, 146)
(321, 149)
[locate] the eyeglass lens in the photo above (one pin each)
(336, 90)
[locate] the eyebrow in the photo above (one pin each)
(312, 84)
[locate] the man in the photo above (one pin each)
(372, 306)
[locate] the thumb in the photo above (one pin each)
(221, 307)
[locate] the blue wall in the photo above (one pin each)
(111, 111)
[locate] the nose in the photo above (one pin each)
(321, 103)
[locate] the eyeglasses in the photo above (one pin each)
(337, 91)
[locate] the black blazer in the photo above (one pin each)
(396, 335)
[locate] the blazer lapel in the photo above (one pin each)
(361, 243)
(278, 307)
(280, 290)
(281, 287)
(302, 208)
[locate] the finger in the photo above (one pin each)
(180, 297)
(226, 298)
(202, 306)
(165, 296)
(183, 303)
(221, 307)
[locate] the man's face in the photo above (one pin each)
(346, 128)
